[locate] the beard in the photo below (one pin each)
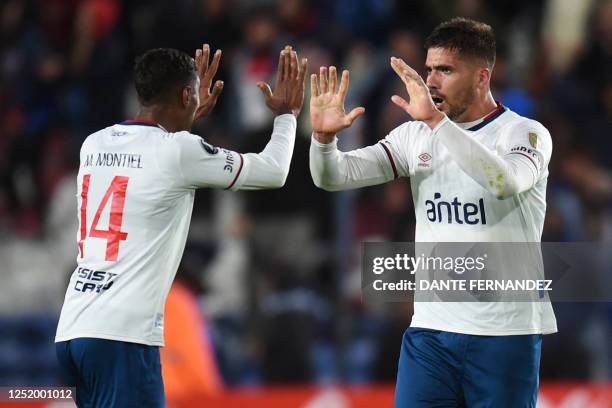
(464, 100)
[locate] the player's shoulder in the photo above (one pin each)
(173, 138)
(517, 123)
(408, 138)
(526, 135)
(408, 131)
(517, 126)
(412, 127)
(189, 141)
(118, 131)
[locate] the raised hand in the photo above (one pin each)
(421, 106)
(208, 99)
(327, 112)
(288, 95)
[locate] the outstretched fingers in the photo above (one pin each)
(217, 90)
(401, 102)
(265, 89)
(280, 69)
(323, 79)
(400, 70)
(214, 66)
(344, 83)
(202, 56)
(206, 73)
(198, 61)
(333, 79)
(302, 72)
(287, 63)
(354, 114)
(406, 73)
(314, 85)
(408, 70)
(293, 71)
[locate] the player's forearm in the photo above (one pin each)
(333, 170)
(502, 176)
(270, 167)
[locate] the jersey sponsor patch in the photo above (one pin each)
(534, 141)
(93, 281)
(529, 153)
(442, 211)
(208, 147)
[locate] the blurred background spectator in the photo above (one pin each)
(276, 273)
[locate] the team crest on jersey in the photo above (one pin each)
(534, 141)
(424, 158)
(208, 147)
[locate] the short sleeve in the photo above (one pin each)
(529, 139)
(200, 164)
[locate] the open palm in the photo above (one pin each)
(288, 95)
(327, 112)
(420, 104)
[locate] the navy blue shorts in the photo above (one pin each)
(109, 373)
(441, 369)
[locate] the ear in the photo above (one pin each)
(185, 96)
(484, 77)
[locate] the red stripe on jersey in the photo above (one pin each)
(237, 174)
(497, 109)
(395, 175)
(527, 156)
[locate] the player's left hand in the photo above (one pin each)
(420, 106)
(208, 99)
(288, 95)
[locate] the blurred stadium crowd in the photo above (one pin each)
(277, 272)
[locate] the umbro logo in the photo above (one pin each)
(424, 158)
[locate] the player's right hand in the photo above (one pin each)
(288, 95)
(420, 106)
(208, 98)
(327, 104)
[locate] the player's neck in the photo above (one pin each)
(479, 109)
(161, 116)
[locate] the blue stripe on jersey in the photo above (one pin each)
(494, 115)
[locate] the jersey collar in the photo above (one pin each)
(141, 123)
(490, 117)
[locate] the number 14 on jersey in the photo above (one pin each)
(113, 235)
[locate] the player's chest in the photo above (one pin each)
(436, 173)
(431, 159)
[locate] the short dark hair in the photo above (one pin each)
(468, 37)
(159, 71)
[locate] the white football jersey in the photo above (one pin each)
(451, 207)
(136, 186)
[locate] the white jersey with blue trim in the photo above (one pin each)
(136, 186)
(450, 206)
(478, 182)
